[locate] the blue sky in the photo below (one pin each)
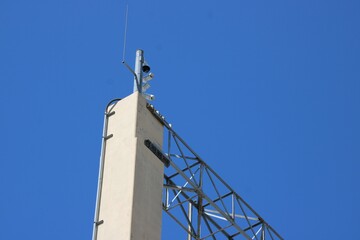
(267, 92)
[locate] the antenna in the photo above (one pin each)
(125, 31)
(125, 35)
(141, 66)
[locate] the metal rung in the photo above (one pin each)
(99, 222)
(157, 152)
(108, 136)
(110, 114)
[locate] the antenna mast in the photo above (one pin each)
(142, 75)
(139, 61)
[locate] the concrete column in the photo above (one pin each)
(130, 201)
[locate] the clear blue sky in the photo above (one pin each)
(267, 92)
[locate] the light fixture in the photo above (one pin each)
(145, 87)
(148, 77)
(149, 97)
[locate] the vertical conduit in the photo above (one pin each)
(97, 222)
(101, 172)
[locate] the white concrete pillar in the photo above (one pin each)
(130, 197)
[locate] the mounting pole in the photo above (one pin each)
(139, 61)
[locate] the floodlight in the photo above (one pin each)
(148, 77)
(145, 87)
(149, 97)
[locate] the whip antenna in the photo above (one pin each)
(125, 31)
(142, 74)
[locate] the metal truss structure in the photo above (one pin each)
(199, 200)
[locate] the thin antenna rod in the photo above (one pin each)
(125, 32)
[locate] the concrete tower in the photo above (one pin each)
(131, 176)
(132, 179)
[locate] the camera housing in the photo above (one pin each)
(145, 67)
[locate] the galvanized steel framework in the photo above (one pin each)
(200, 201)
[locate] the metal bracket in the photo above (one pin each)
(99, 222)
(153, 148)
(110, 114)
(108, 136)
